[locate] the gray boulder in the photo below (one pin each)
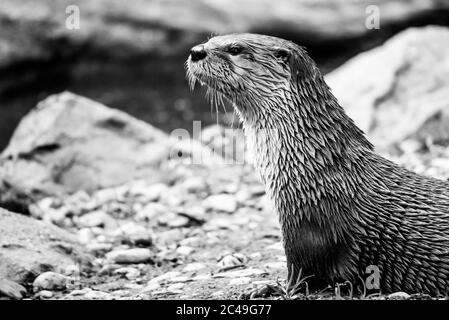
(29, 247)
(400, 90)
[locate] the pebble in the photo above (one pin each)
(11, 289)
(196, 213)
(178, 222)
(44, 294)
(150, 192)
(399, 296)
(185, 250)
(136, 255)
(151, 211)
(85, 235)
(129, 273)
(97, 295)
(240, 273)
(152, 286)
(96, 247)
(218, 295)
(222, 203)
(80, 292)
(240, 281)
(275, 265)
(191, 241)
(51, 281)
(94, 219)
(176, 288)
(194, 185)
(232, 260)
(256, 256)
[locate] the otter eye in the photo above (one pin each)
(235, 50)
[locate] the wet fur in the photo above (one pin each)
(341, 207)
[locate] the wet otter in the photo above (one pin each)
(341, 206)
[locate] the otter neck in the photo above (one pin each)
(310, 155)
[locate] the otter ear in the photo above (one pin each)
(282, 54)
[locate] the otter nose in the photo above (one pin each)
(198, 53)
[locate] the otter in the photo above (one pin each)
(342, 208)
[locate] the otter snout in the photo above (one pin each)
(198, 53)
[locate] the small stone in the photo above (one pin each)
(195, 266)
(218, 295)
(410, 146)
(152, 286)
(137, 234)
(80, 292)
(51, 281)
(240, 273)
(176, 287)
(97, 295)
(99, 247)
(108, 269)
(232, 260)
(194, 185)
(399, 296)
(150, 192)
(151, 211)
(195, 213)
(256, 256)
(242, 196)
(170, 237)
(85, 235)
(136, 255)
(191, 241)
(11, 289)
(222, 203)
(240, 281)
(129, 273)
(44, 294)
(178, 222)
(184, 250)
(94, 219)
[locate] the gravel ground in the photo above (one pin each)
(198, 234)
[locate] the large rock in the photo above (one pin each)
(29, 247)
(399, 90)
(70, 143)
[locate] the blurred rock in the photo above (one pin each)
(399, 296)
(232, 260)
(11, 289)
(240, 273)
(221, 202)
(69, 143)
(51, 281)
(399, 91)
(136, 255)
(29, 247)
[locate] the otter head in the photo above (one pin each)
(252, 71)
